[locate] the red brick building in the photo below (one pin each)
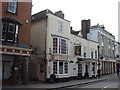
(15, 41)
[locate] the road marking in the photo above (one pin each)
(105, 86)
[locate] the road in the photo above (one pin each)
(107, 84)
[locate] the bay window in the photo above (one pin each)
(10, 32)
(60, 45)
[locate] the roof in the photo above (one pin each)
(42, 15)
(102, 28)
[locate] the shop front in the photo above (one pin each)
(14, 64)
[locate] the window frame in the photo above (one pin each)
(64, 68)
(96, 54)
(14, 33)
(92, 53)
(59, 46)
(14, 7)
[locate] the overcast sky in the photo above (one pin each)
(98, 11)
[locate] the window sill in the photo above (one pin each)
(12, 12)
(61, 54)
(61, 74)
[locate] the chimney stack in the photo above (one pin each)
(85, 25)
(59, 14)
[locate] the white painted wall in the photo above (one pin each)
(52, 28)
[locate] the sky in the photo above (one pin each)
(104, 12)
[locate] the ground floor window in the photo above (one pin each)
(60, 67)
(7, 70)
(79, 68)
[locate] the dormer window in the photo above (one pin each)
(12, 6)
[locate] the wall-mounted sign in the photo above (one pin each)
(78, 50)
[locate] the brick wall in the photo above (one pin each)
(23, 15)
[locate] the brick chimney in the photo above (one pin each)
(85, 24)
(59, 14)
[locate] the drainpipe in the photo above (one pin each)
(98, 57)
(45, 74)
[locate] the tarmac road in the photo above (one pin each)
(108, 84)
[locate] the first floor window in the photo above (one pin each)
(91, 54)
(60, 46)
(10, 32)
(12, 6)
(60, 67)
(95, 54)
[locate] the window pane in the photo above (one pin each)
(12, 6)
(55, 45)
(66, 67)
(79, 68)
(4, 31)
(60, 67)
(11, 28)
(54, 67)
(63, 46)
(60, 26)
(4, 26)
(10, 36)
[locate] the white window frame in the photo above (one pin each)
(59, 46)
(12, 6)
(63, 69)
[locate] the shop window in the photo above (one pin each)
(4, 31)
(10, 32)
(96, 54)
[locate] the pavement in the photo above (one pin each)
(43, 85)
